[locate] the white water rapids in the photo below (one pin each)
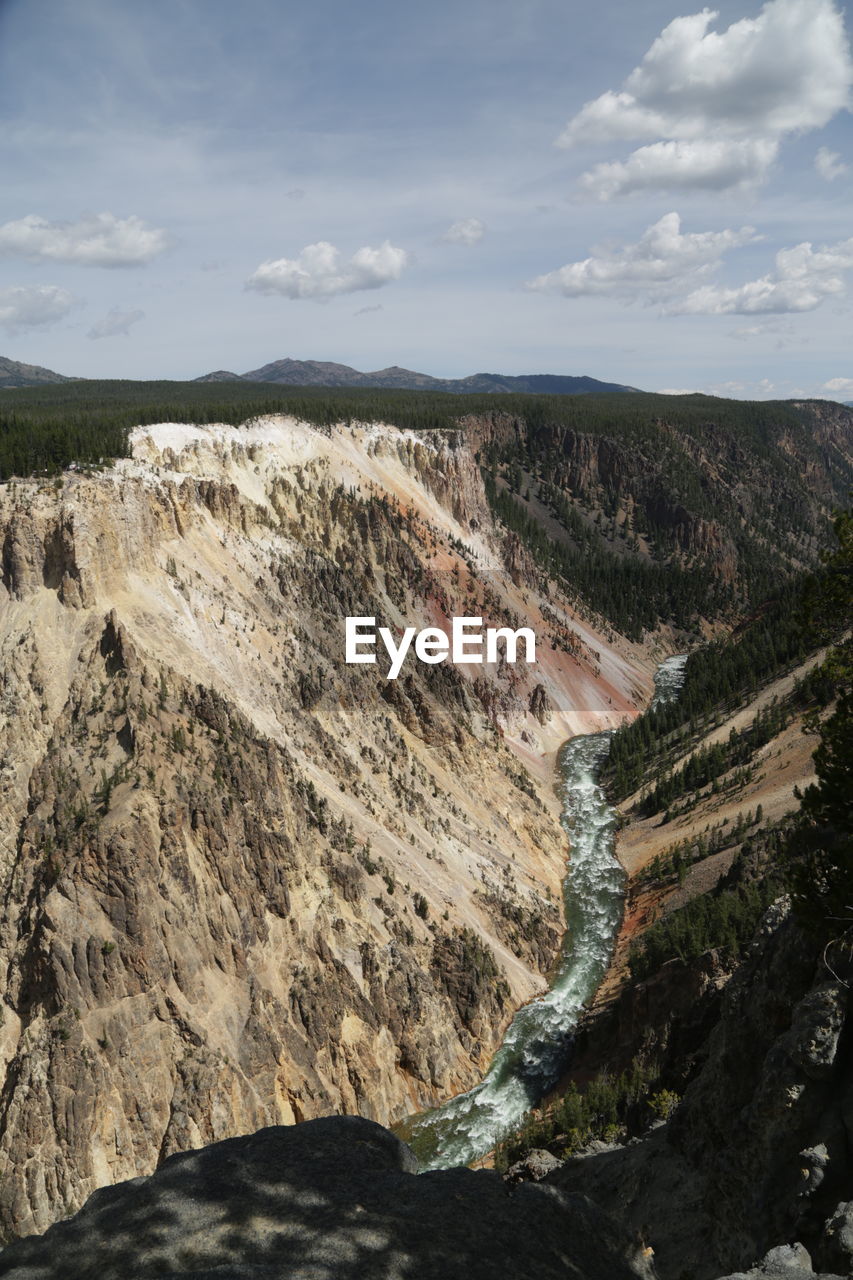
(536, 1045)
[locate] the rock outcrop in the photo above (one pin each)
(786, 1262)
(333, 1199)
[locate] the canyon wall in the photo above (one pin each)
(244, 883)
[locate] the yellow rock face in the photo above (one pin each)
(243, 882)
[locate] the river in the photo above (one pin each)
(536, 1046)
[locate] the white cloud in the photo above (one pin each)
(319, 273)
(664, 258)
(739, 390)
(842, 385)
(764, 327)
(715, 165)
(115, 322)
(733, 95)
(96, 240)
(365, 311)
(733, 389)
(802, 279)
(783, 331)
(829, 164)
(671, 267)
(27, 307)
(786, 70)
(466, 231)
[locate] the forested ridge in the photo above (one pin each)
(717, 678)
(653, 509)
(92, 414)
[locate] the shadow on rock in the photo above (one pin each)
(331, 1199)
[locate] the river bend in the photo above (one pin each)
(537, 1042)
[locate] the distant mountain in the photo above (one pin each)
(307, 373)
(15, 374)
(220, 375)
(324, 373)
(552, 384)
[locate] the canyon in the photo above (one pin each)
(248, 884)
(245, 883)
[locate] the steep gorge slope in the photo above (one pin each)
(688, 511)
(734, 1028)
(242, 882)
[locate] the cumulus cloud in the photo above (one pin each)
(114, 323)
(671, 267)
(95, 240)
(786, 70)
(318, 272)
(803, 278)
(829, 164)
(719, 165)
(466, 231)
(663, 259)
(734, 95)
(28, 307)
(844, 386)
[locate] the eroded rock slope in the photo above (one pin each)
(243, 883)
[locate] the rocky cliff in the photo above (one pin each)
(757, 1154)
(243, 883)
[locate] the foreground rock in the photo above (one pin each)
(788, 1262)
(331, 1199)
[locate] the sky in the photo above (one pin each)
(639, 191)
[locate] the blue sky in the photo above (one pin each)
(643, 192)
